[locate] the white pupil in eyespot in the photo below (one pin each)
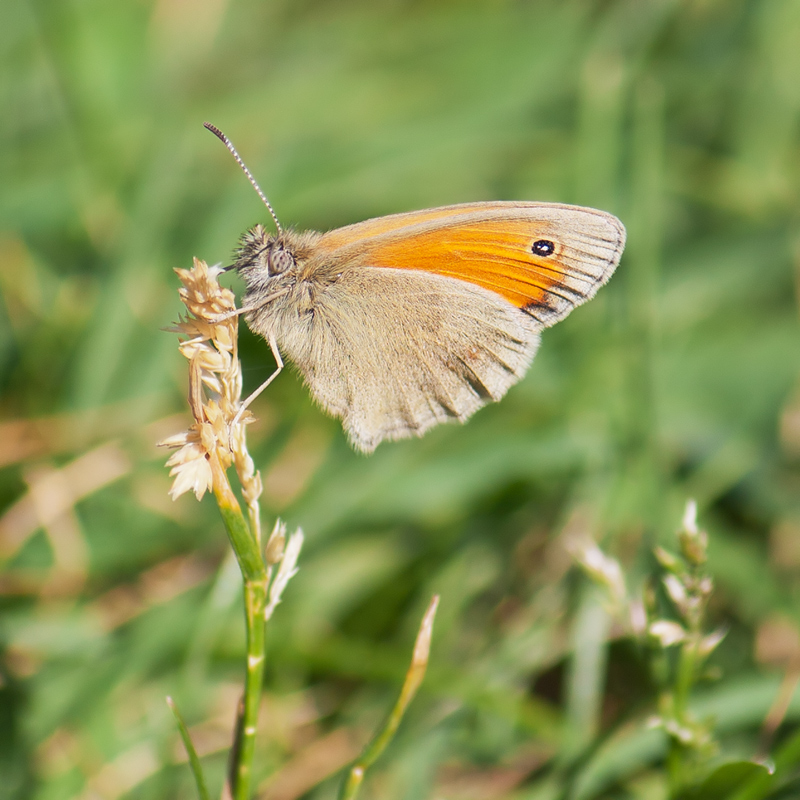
(543, 247)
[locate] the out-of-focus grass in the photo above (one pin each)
(680, 379)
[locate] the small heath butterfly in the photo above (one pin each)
(405, 321)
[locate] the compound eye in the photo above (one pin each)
(279, 261)
(543, 247)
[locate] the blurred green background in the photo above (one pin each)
(679, 380)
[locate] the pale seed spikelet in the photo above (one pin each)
(215, 389)
(286, 571)
(276, 544)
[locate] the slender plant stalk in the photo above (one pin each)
(687, 664)
(251, 562)
(414, 676)
(255, 577)
(255, 601)
(685, 677)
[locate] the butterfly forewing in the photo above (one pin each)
(493, 245)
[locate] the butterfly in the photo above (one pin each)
(405, 321)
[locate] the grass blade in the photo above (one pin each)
(194, 760)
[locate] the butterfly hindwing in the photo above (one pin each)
(433, 349)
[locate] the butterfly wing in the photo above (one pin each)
(395, 352)
(494, 245)
(424, 317)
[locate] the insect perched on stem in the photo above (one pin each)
(402, 322)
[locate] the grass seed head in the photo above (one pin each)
(210, 345)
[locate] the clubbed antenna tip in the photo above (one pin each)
(227, 142)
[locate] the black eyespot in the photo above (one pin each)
(543, 247)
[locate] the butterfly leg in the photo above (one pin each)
(279, 361)
(246, 309)
(223, 317)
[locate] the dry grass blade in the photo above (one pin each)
(414, 677)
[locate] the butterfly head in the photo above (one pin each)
(261, 255)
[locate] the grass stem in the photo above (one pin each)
(414, 677)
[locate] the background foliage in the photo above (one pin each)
(680, 379)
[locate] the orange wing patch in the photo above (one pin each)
(501, 261)
(494, 246)
(498, 255)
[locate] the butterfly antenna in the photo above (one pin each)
(227, 142)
